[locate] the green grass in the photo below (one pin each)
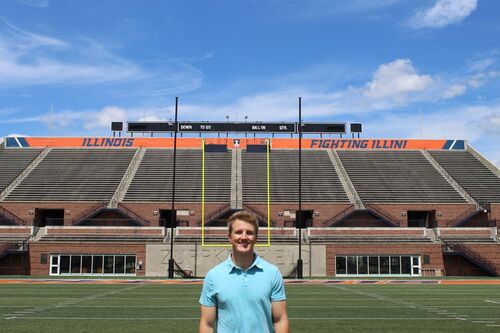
(142, 307)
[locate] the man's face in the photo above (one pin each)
(242, 237)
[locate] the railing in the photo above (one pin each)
(89, 212)
(462, 217)
(218, 212)
(13, 246)
(474, 256)
(182, 272)
(131, 213)
(340, 215)
(388, 216)
(260, 215)
(11, 217)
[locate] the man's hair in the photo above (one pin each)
(244, 216)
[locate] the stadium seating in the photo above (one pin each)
(467, 234)
(15, 233)
(396, 177)
(153, 179)
(219, 235)
(320, 183)
(364, 235)
(13, 162)
(471, 174)
(80, 233)
(74, 175)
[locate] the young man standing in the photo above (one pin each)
(245, 293)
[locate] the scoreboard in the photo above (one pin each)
(254, 127)
(236, 127)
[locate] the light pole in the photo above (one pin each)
(299, 217)
(172, 211)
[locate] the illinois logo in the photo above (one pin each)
(236, 143)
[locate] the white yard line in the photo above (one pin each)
(490, 301)
(197, 318)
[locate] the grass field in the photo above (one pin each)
(144, 308)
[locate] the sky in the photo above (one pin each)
(425, 69)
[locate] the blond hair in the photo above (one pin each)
(244, 216)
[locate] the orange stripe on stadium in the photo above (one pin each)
(278, 143)
(200, 281)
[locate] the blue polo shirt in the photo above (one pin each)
(243, 297)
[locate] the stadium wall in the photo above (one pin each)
(322, 212)
(39, 254)
(147, 211)
(434, 266)
(26, 210)
(199, 260)
(445, 213)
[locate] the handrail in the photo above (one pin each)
(462, 217)
(215, 213)
(131, 213)
(8, 215)
(87, 213)
(388, 216)
(340, 215)
(256, 212)
(475, 256)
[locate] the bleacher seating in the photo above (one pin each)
(74, 175)
(467, 234)
(397, 177)
(470, 174)
(320, 183)
(364, 235)
(219, 235)
(15, 233)
(153, 179)
(81, 233)
(13, 162)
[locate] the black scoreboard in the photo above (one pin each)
(236, 127)
(157, 126)
(323, 128)
(256, 127)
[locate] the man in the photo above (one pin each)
(245, 293)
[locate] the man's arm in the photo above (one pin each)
(207, 320)
(280, 317)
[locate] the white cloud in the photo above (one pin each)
(324, 8)
(34, 3)
(104, 117)
(396, 80)
(454, 91)
(28, 59)
(443, 13)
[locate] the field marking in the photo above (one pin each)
(450, 315)
(490, 301)
(197, 318)
(71, 301)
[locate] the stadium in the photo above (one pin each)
(342, 207)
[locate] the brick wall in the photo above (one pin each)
(72, 209)
(146, 211)
(432, 250)
(39, 249)
(324, 211)
(445, 213)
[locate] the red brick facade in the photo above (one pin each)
(434, 252)
(39, 254)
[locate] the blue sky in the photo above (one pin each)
(405, 68)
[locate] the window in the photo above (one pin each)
(87, 264)
(341, 265)
(378, 265)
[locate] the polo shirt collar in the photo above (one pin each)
(257, 262)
